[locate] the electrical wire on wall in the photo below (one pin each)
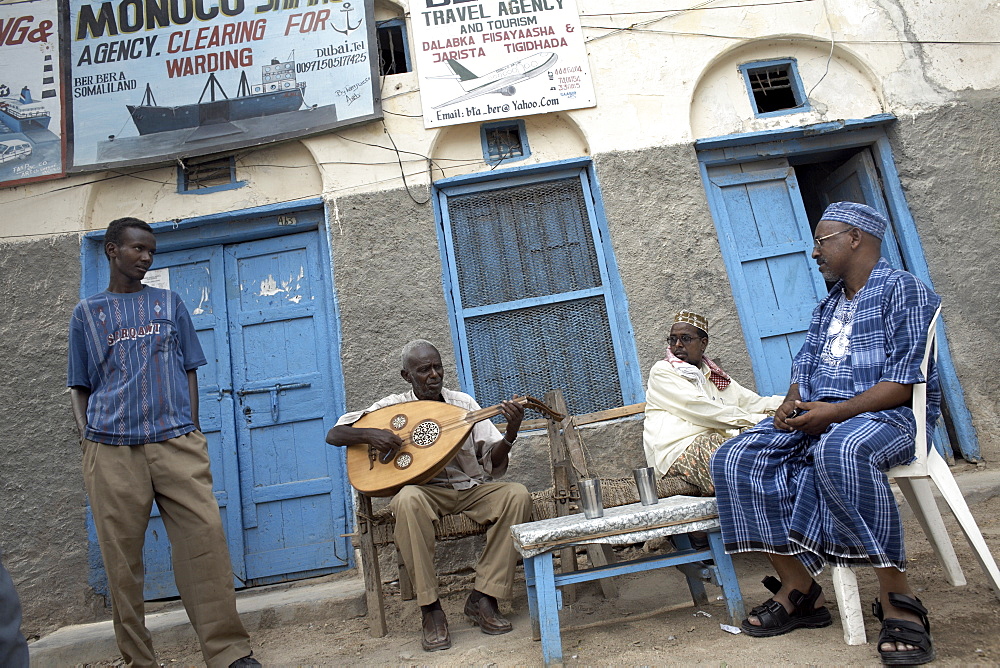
(402, 172)
(669, 14)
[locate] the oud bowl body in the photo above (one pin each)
(431, 431)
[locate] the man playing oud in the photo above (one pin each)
(464, 485)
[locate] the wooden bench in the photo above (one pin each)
(374, 528)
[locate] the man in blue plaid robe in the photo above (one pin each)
(809, 487)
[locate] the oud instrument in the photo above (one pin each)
(431, 431)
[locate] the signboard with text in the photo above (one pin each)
(480, 60)
(31, 101)
(154, 80)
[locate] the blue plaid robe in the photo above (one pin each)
(826, 499)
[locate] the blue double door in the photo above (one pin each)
(265, 396)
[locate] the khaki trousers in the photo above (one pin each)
(500, 504)
(122, 482)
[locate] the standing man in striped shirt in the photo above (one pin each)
(809, 487)
(133, 360)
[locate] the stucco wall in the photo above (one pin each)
(948, 162)
(42, 529)
(678, 82)
(668, 253)
(387, 270)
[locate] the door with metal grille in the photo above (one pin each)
(534, 293)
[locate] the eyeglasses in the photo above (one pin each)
(818, 242)
(683, 338)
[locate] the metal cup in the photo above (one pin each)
(645, 480)
(590, 498)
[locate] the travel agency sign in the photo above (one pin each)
(478, 61)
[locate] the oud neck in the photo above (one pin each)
(472, 417)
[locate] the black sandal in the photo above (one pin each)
(904, 631)
(776, 621)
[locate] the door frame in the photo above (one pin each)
(845, 134)
(224, 228)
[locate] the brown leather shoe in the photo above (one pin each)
(435, 631)
(484, 613)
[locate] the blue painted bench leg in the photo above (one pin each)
(727, 578)
(548, 609)
(529, 580)
(695, 584)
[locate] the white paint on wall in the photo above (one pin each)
(269, 286)
(668, 80)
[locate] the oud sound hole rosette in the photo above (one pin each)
(425, 434)
(403, 460)
(398, 422)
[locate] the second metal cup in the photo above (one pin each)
(645, 481)
(590, 498)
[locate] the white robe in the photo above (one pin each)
(682, 404)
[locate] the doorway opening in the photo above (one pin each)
(767, 192)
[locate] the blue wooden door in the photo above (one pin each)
(260, 312)
(767, 247)
(857, 181)
(197, 275)
(292, 485)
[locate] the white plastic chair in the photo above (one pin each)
(914, 481)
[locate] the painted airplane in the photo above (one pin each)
(501, 80)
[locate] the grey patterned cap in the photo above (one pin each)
(857, 215)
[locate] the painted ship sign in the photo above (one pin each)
(31, 107)
(154, 80)
(480, 60)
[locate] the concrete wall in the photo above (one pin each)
(680, 85)
(387, 270)
(667, 251)
(42, 532)
(948, 163)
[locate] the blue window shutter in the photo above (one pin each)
(531, 293)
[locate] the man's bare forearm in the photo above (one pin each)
(79, 397)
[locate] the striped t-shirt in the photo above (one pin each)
(133, 352)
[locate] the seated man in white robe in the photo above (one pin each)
(693, 406)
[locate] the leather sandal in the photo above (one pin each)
(776, 621)
(906, 632)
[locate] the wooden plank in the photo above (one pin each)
(602, 555)
(586, 418)
(610, 414)
(370, 568)
(563, 482)
(574, 449)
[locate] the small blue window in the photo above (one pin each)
(393, 54)
(504, 142)
(200, 176)
(774, 87)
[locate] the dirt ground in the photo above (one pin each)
(652, 622)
